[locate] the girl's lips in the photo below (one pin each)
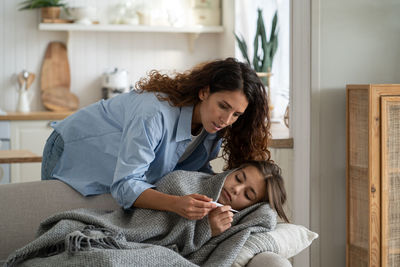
(227, 196)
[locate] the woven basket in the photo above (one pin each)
(51, 12)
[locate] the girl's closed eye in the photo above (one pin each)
(237, 178)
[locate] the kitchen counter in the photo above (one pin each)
(35, 115)
(18, 156)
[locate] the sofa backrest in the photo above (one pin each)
(24, 205)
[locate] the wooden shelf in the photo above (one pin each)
(129, 28)
(18, 156)
(35, 115)
(192, 32)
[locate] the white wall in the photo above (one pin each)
(22, 46)
(354, 41)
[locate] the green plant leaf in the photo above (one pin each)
(274, 47)
(265, 45)
(243, 47)
(264, 50)
(273, 28)
(259, 54)
(31, 4)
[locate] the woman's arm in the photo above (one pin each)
(192, 207)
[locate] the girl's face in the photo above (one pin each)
(218, 110)
(243, 188)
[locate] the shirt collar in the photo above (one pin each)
(184, 124)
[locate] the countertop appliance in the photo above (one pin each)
(114, 82)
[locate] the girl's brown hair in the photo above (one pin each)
(276, 192)
(247, 138)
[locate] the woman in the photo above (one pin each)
(126, 144)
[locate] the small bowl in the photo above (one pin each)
(82, 15)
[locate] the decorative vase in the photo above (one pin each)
(50, 12)
(23, 101)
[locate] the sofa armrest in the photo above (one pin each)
(24, 205)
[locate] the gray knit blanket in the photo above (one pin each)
(144, 237)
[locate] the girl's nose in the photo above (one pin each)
(237, 188)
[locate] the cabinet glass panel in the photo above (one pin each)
(391, 181)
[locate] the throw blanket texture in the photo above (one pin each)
(144, 237)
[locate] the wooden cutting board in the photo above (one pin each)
(55, 80)
(60, 99)
(55, 68)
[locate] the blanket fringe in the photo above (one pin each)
(88, 238)
(91, 237)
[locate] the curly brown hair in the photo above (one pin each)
(244, 140)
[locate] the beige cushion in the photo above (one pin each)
(268, 259)
(286, 240)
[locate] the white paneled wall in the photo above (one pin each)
(22, 46)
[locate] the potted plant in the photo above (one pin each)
(264, 50)
(50, 9)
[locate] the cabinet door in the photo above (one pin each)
(390, 139)
(29, 135)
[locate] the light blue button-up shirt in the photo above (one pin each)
(126, 144)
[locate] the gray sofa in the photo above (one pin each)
(24, 205)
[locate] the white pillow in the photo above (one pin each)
(286, 240)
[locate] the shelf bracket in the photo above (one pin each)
(191, 39)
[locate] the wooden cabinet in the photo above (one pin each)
(32, 136)
(373, 175)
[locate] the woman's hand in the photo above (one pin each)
(220, 220)
(193, 207)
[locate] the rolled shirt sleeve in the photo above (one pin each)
(140, 140)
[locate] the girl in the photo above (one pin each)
(251, 183)
(126, 144)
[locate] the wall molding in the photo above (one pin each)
(315, 186)
(300, 80)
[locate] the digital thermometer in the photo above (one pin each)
(220, 205)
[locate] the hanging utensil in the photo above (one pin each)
(22, 79)
(30, 80)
